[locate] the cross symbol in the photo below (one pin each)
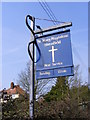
(53, 50)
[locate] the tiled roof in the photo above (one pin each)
(14, 89)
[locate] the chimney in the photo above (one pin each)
(12, 85)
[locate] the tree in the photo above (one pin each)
(61, 102)
(24, 78)
(71, 95)
(41, 86)
(59, 91)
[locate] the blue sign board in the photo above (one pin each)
(56, 56)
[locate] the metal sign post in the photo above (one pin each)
(54, 45)
(31, 96)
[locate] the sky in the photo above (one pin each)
(16, 36)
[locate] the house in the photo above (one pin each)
(12, 93)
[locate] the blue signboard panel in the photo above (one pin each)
(52, 73)
(56, 56)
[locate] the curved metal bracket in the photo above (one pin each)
(34, 43)
(31, 18)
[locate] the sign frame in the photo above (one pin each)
(46, 69)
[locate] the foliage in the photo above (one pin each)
(16, 109)
(67, 108)
(59, 91)
(67, 99)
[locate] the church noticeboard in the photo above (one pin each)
(56, 56)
